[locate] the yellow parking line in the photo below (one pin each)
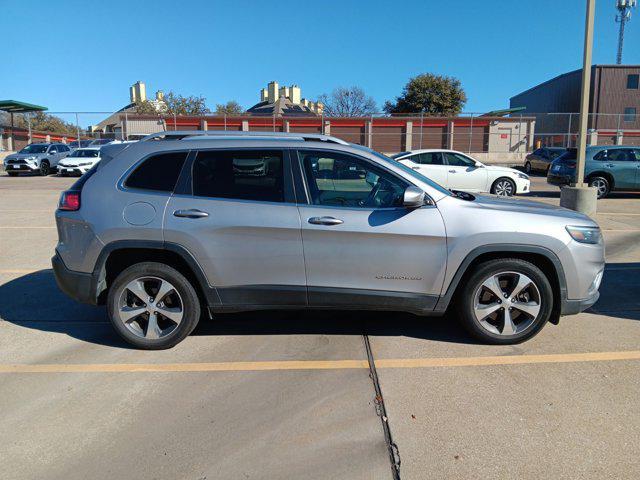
(320, 364)
(25, 227)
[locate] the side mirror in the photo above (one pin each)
(413, 197)
(479, 165)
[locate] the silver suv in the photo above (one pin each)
(36, 157)
(182, 223)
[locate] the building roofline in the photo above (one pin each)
(593, 67)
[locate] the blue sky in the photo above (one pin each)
(227, 50)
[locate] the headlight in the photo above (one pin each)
(31, 159)
(585, 234)
(523, 176)
(84, 164)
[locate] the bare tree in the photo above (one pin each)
(347, 102)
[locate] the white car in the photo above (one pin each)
(79, 161)
(457, 171)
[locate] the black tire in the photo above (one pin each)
(497, 187)
(466, 297)
(527, 167)
(45, 168)
(187, 296)
(602, 184)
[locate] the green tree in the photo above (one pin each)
(179, 105)
(429, 93)
(347, 102)
(230, 108)
(45, 122)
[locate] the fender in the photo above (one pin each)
(99, 271)
(444, 300)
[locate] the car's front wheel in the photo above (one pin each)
(504, 187)
(153, 306)
(45, 168)
(505, 301)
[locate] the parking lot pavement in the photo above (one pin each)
(288, 394)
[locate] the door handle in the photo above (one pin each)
(325, 221)
(452, 171)
(191, 213)
(416, 168)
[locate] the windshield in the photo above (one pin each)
(85, 153)
(406, 169)
(34, 148)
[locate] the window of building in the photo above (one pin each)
(339, 180)
(242, 175)
(630, 114)
(633, 80)
(158, 172)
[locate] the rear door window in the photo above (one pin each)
(429, 158)
(256, 175)
(158, 172)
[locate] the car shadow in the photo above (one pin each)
(34, 301)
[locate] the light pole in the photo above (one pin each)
(578, 196)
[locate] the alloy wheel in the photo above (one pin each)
(601, 187)
(150, 307)
(504, 188)
(507, 303)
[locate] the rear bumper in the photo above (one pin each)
(560, 180)
(572, 307)
(77, 285)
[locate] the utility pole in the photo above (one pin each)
(577, 196)
(624, 15)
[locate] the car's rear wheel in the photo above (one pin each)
(45, 168)
(503, 187)
(505, 301)
(527, 167)
(602, 186)
(153, 306)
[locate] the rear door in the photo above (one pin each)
(238, 218)
(361, 246)
(463, 173)
(429, 164)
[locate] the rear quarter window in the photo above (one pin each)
(158, 172)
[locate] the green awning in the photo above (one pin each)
(13, 106)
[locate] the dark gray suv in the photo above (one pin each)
(182, 223)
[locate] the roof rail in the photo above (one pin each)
(199, 134)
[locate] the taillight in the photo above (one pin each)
(70, 201)
(571, 164)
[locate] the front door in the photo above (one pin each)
(464, 174)
(242, 226)
(361, 246)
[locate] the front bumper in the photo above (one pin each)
(64, 170)
(20, 167)
(77, 285)
(572, 307)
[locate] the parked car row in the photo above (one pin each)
(44, 158)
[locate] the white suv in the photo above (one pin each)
(457, 171)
